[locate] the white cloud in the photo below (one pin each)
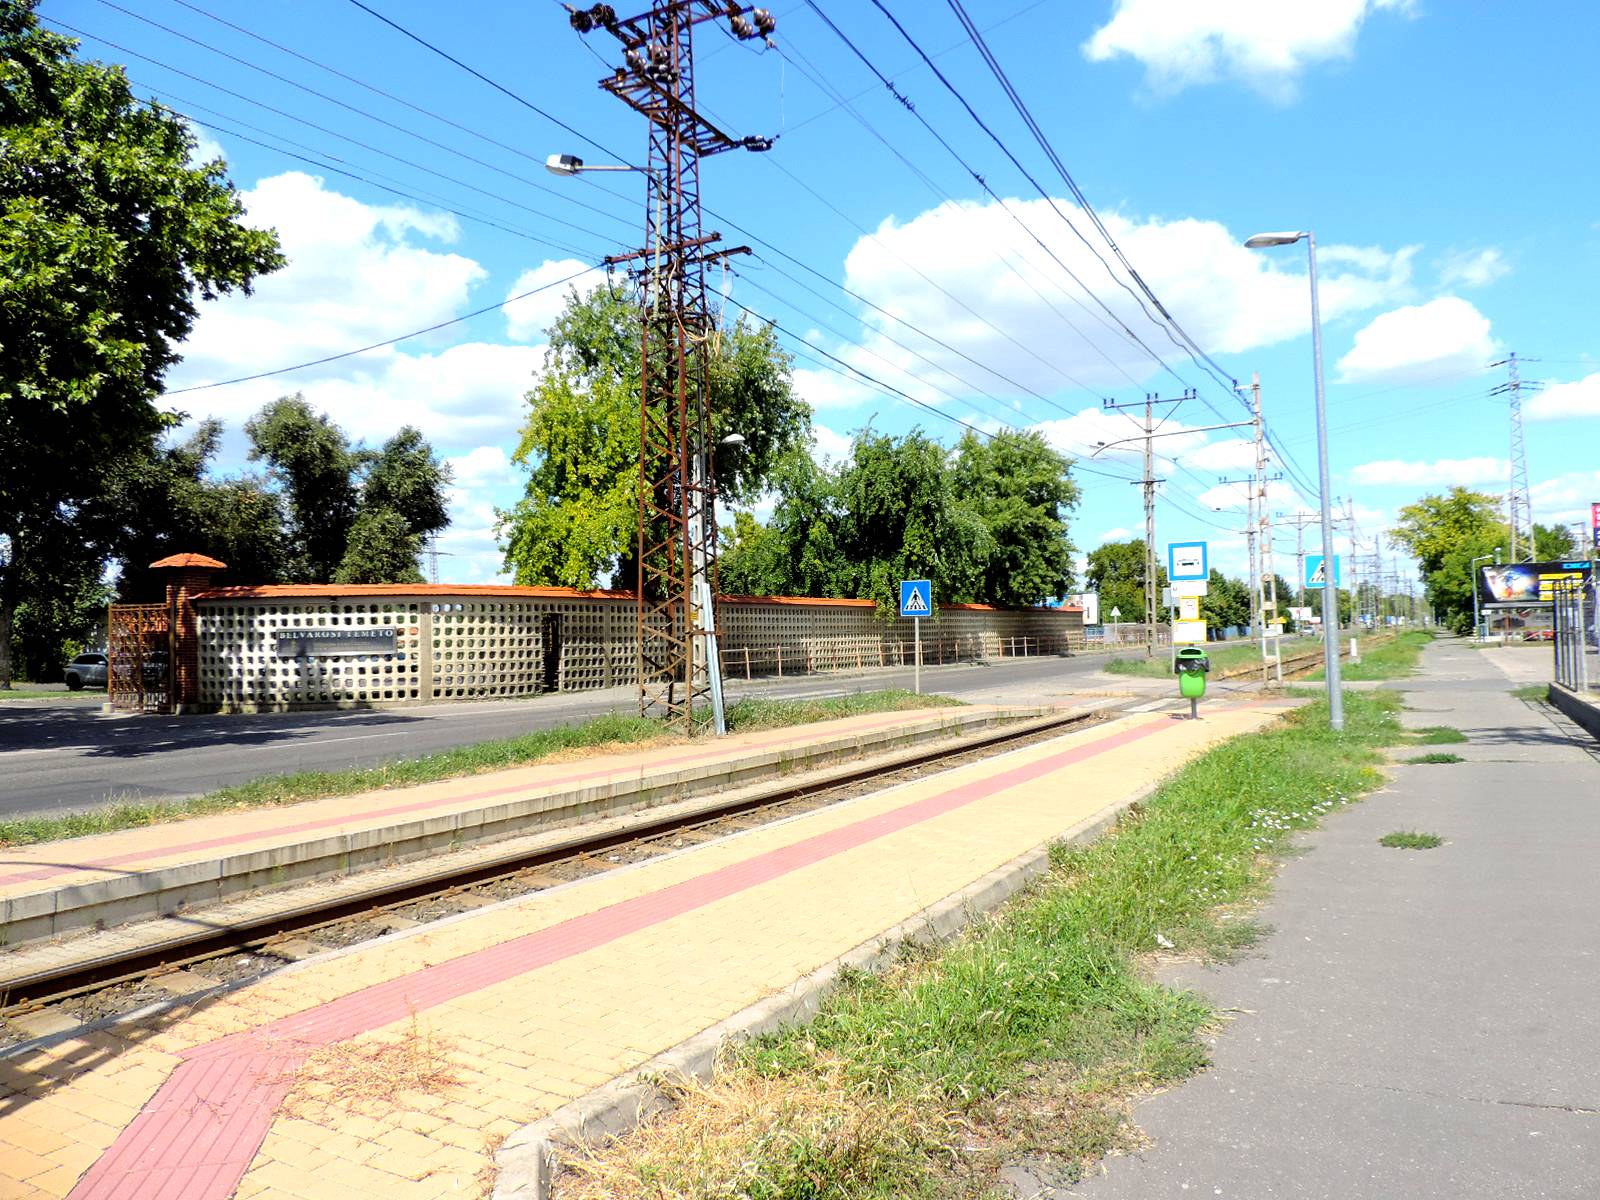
(1413, 343)
(485, 466)
(1394, 472)
(360, 274)
(1565, 498)
(354, 277)
(1229, 298)
(1119, 534)
(206, 147)
(527, 320)
(1578, 398)
(827, 389)
(831, 446)
(1230, 454)
(1264, 43)
(1473, 268)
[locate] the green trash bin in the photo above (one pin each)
(1192, 667)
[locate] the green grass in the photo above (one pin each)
(1020, 1038)
(752, 714)
(1436, 735)
(609, 731)
(1411, 840)
(1436, 757)
(1392, 659)
(23, 691)
(1538, 693)
(1223, 658)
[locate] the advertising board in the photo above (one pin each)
(1524, 585)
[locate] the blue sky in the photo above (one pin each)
(1437, 150)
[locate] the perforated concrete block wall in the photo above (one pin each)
(460, 646)
(240, 666)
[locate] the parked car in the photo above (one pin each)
(86, 670)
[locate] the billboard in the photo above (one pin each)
(1519, 585)
(1594, 523)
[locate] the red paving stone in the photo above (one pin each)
(197, 1136)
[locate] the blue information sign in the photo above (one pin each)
(916, 598)
(1187, 561)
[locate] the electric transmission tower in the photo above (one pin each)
(1519, 504)
(679, 671)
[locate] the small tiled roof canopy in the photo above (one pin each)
(189, 560)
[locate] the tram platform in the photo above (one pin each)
(396, 1067)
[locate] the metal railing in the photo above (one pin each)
(1574, 620)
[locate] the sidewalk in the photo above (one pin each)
(523, 1006)
(1421, 1023)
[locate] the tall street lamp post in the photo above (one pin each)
(1330, 592)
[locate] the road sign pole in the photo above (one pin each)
(916, 637)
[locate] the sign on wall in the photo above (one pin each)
(330, 643)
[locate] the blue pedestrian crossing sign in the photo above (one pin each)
(916, 598)
(1317, 571)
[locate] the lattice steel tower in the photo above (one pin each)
(1519, 502)
(679, 672)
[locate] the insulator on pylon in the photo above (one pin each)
(742, 29)
(604, 14)
(756, 142)
(765, 22)
(580, 20)
(635, 61)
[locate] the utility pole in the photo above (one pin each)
(676, 544)
(1267, 597)
(1148, 482)
(1519, 502)
(1300, 520)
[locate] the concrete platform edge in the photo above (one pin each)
(1581, 709)
(529, 1159)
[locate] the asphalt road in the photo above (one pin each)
(68, 756)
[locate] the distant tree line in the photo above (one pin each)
(986, 521)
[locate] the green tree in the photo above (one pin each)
(1022, 491)
(901, 518)
(576, 523)
(798, 552)
(1116, 571)
(1226, 604)
(1551, 542)
(383, 548)
(167, 503)
(1444, 534)
(109, 239)
(312, 465)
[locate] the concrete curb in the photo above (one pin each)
(54, 909)
(1583, 711)
(529, 1160)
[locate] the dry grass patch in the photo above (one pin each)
(751, 1136)
(372, 1078)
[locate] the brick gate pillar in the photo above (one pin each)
(189, 575)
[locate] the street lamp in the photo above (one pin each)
(1330, 593)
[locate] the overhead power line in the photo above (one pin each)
(404, 337)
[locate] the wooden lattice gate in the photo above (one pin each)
(139, 658)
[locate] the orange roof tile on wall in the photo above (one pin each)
(309, 591)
